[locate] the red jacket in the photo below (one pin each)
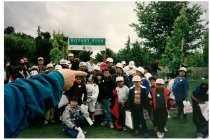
(153, 94)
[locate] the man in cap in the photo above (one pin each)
(109, 64)
(90, 63)
(130, 69)
(20, 72)
(41, 66)
(74, 62)
(49, 67)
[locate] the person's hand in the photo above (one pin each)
(69, 77)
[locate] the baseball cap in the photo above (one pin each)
(119, 65)
(40, 58)
(183, 69)
(160, 81)
(136, 78)
(119, 78)
(109, 59)
(141, 69)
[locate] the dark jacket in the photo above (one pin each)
(144, 98)
(107, 87)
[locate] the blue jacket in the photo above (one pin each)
(24, 99)
(180, 89)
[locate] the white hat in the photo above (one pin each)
(58, 67)
(109, 59)
(183, 69)
(40, 58)
(50, 65)
(119, 65)
(62, 61)
(97, 68)
(132, 64)
(136, 78)
(160, 81)
(141, 69)
(71, 54)
(33, 72)
(123, 62)
(119, 78)
(92, 56)
(82, 64)
(34, 68)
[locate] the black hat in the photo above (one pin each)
(73, 98)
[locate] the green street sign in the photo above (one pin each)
(86, 41)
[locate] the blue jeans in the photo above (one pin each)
(106, 110)
(73, 133)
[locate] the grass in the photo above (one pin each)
(176, 128)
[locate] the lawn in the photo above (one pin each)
(176, 128)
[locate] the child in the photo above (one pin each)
(73, 117)
(79, 90)
(171, 102)
(137, 101)
(107, 97)
(180, 90)
(92, 94)
(122, 92)
(159, 104)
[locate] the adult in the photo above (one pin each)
(90, 63)
(109, 64)
(29, 104)
(74, 62)
(20, 72)
(155, 68)
(40, 65)
(130, 69)
(200, 96)
(180, 90)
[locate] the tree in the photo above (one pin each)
(85, 55)
(176, 42)
(155, 23)
(206, 48)
(59, 47)
(43, 45)
(9, 30)
(16, 47)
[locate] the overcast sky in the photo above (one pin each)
(102, 19)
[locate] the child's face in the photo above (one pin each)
(120, 83)
(159, 86)
(78, 80)
(137, 83)
(182, 73)
(152, 82)
(99, 77)
(73, 103)
(106, 74)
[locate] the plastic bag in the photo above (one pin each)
(128, 119)
(187, 107)
(205, 110)
(63, 101)
(99, 110)
(80, 135)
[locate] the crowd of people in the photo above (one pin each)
(116, 89)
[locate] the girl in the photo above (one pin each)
(92, 94)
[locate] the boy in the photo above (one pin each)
(122, 92)
(159, 105)
(107, 85)
(137, 102)
(73, 117)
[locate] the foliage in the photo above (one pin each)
(59, 47)
(155, 23)
(23, 47)
(194, 60)
(85, 55)
(109, 53)
(9, 30)
(176, 42)
(43, 45)
(206, 48)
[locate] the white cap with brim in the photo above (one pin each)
(58, 67)
(183, 69)
(141, 69)
(50, 65)
(92, 56)
(119, 65)
(118, 79)
(71, 54)
(96, 68)
(136, 78)
(132, 64)
(40, 58)
(160, 81)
